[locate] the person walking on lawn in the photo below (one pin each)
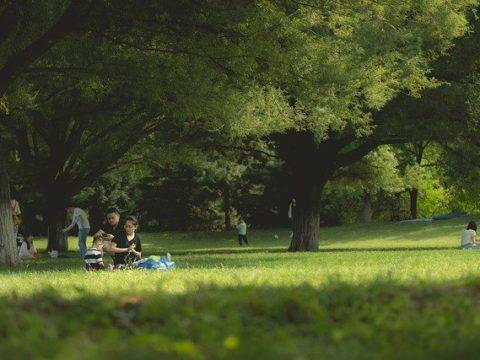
(242, 232)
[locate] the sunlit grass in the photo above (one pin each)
(376, 291)
(405, 253)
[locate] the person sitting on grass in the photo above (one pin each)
(127, 247)
(94, 256)
(27, 249)
(112, 227)
(469, 237)
(242, 232)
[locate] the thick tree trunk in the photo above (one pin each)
(55, 216)
(8, 244)
(367, 209)
(413, 203)
(306, 220)
(312, 164)
(57, 239)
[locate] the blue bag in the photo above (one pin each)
(154, 263)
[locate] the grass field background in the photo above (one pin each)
(370, 291)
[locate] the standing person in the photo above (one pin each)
(79, 218)
(17, 216)
(242, 232)
(127, 247)
(112, 227)
(291, 213)
(27, 249)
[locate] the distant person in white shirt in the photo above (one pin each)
(79, 218)
(291, 213)
(242, 232)
(469, 237)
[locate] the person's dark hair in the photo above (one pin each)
(112, 210)
(133, 219)
(472, 225)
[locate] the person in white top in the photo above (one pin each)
(469, 237)
(79, 218)
(291, 213)
(27, 249)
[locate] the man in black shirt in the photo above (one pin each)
(112, 228)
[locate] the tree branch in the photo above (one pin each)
(18, 62)
(8, 20)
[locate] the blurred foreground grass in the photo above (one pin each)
(383, 290)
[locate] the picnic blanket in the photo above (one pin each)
(154, 263)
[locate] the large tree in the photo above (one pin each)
(355, 57)
(27, 30)
(76, 111)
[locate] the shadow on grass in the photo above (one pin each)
(336, 321)
(71, 262)
(321, 250)
(395, 231)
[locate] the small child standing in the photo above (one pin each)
(242, 232)
(94, 255)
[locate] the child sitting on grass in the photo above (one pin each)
(127, 247)
(27, 249)
(94, 255)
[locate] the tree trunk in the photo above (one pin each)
(413, 203)
(306, 220)
(55, 215)
(227, 208)
(8, 244)
(367, 209)
(312, 163)
(311, 166)
(57, 239)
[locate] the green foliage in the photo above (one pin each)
(434, 199)
(228, 70)
(378, 171)
(376, 178)
(117, 188)
(188, 189)
(341, 60)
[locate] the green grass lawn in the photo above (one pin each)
(401, 290)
